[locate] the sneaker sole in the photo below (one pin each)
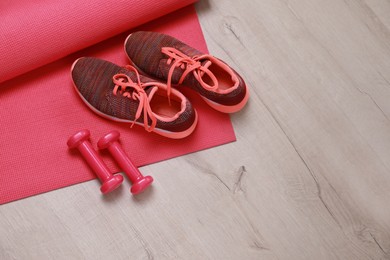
(162, 132)
(228, 109)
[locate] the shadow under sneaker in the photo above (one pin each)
(121, 94)
(170, 60)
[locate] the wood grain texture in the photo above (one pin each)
(309, 175)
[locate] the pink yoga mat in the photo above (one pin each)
(36, 32)
(39, 110)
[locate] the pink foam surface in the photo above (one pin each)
(40, 110)
(36, 32)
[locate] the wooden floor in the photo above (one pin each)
(309, 175)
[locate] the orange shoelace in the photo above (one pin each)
(123, 84)
(189, 64)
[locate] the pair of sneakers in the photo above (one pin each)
(143, 94)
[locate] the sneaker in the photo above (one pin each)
(121, 94)
(168, 59)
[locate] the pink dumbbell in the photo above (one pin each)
(109, 181)
(110, 141)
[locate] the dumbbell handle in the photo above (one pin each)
(124, 162)
(94, 161)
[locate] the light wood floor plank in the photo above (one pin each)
(309, 175)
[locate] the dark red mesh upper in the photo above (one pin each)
(144, 50)
(93, 79)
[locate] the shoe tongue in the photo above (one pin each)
(150, 91)
(205, 64)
